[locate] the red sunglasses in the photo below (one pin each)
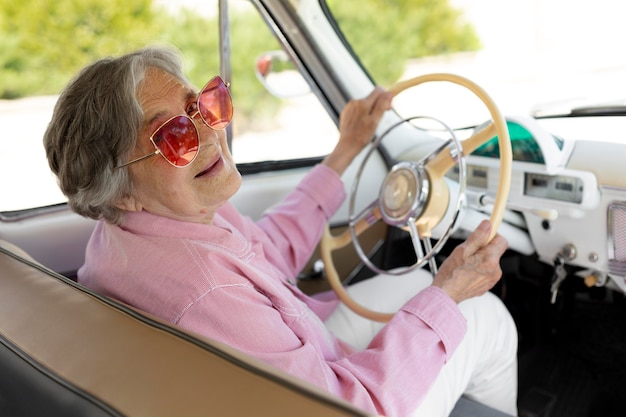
(177, 140)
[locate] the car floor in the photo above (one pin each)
(572, 354)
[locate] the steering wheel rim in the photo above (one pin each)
(439, 166)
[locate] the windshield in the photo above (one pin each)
(540, 56)
(532, 57)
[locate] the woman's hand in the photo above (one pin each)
(357, 125)
(473, 268)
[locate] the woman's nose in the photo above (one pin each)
(207, 136)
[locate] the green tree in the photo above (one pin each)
(44, 42)
(384, 34)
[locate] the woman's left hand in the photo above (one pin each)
(357, 125)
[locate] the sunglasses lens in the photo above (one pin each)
(215, 104)
(177, 140)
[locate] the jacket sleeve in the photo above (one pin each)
(294, 227)
(390, 377)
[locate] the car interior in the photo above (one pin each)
(552, 180)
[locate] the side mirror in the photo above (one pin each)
(279, 75)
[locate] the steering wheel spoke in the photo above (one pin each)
(367, 217)
(442, 162)
(422, 246)
(416, 240)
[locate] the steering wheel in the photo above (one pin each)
(415, 197)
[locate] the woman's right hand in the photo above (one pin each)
(473, 268)
(357, 126)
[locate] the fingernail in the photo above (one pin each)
(485, 225)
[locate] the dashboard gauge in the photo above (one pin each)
(554, 187)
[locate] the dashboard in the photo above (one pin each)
(570, 193)
(539, 173)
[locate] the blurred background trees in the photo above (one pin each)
(405, 29)
(44, 42)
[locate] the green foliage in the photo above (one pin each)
(198, 38)
(250, 38)
(44, 42)
(385, 33)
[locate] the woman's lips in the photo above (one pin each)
(213, 167)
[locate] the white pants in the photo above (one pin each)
(484, 366)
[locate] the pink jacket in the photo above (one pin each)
(233, 281)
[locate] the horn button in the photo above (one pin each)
(403, 194)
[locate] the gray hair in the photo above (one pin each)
(95, 126)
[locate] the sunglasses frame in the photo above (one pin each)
(191, 117)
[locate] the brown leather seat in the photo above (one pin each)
(65, 350)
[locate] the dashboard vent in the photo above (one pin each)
(617, 238)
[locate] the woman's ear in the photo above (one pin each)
(129, 203)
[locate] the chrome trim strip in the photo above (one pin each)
(616, 266)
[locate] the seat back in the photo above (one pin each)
(66, 351)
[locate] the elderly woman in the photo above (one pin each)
(135, 146)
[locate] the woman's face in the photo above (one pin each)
(195, 192)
